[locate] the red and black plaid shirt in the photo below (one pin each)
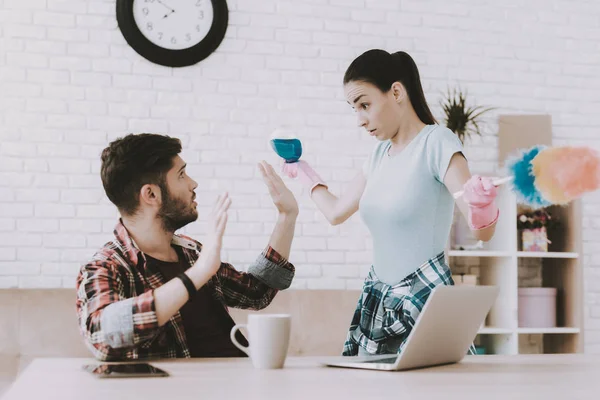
(115, 301)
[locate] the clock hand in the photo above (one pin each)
(166, 15)
(169, 7)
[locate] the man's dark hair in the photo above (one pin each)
(133, 161)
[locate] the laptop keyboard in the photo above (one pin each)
(389, 360)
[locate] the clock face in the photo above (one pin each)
(174, 24)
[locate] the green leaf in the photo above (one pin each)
(462, 120)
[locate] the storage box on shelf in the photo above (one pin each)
(562, 270)
(500, 262)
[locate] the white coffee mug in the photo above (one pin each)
(268, 336)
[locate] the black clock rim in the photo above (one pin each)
(173, 58)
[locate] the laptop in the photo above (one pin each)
(443, 332)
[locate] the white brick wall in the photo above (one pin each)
(69, 84)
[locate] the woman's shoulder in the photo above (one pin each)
(438, 134)
(439, 131)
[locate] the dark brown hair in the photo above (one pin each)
(382, 69)
(133, 161)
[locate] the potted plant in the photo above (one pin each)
(460, 119)
(534, 227)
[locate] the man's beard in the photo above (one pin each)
(174, 213)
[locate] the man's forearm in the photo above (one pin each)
(283, 233)
(171, 296)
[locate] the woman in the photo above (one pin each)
(404, 195)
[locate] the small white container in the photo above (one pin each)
(537, 307)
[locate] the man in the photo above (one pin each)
(149, 293)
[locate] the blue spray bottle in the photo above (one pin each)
(286, 145)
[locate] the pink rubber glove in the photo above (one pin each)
(479, 195)
(308, 176)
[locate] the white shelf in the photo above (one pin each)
(542, 254)
(495, 331)
(498, 263)
(527, 331)
(521, 254)
(478, 253)
(547, 330)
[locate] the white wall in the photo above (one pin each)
(69, 84)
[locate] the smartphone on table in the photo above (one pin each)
(125, 370)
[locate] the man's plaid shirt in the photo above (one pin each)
(115, 301)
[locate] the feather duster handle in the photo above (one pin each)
(496, 182)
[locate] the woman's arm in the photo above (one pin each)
(335, 209)
(457, 176)
(339, 209)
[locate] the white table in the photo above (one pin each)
(571, 377)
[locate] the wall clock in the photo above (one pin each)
(173, 33)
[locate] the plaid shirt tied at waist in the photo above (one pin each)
(387, 312)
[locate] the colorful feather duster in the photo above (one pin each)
(543, 176)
